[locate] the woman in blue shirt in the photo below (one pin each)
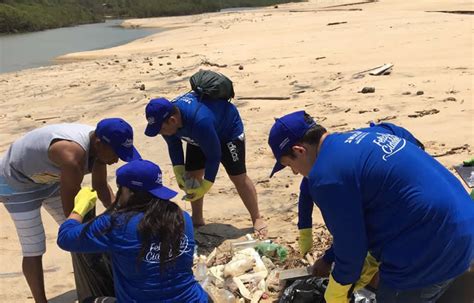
(149, 238)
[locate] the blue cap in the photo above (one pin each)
(157, 111)
(118, 134)
(286, 131)
(144, 175)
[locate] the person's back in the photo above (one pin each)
(26, 163)
(144, 280)
(149, 238)
(221, 113)
(418, 218)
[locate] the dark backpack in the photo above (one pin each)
(212, 85)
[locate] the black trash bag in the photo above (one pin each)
(92, 273)
(212, 85)
(309, 290)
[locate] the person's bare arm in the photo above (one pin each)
(70, 157)
(99, 183)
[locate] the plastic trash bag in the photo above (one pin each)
(311, 290)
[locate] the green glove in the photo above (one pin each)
(194, 194)
(371, 267)
(179, 171)
(84, 201)
(337, 293)
(305, 241)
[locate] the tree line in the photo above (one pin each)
(34, 15)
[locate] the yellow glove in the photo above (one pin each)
(305, 241)
(84, 201)
(194, 194)
(337, 293)
(179, 171)
(371, 266)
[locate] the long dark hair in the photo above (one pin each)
(162, 220)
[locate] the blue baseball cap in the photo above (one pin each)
(286, 131)
(144, 175)
(157, 111)
(118, 134)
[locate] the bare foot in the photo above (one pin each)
(260, 228)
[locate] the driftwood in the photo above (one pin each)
(354, 3)
(337, 23)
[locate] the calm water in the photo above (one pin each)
(21, 51)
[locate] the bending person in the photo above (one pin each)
(45, 168)
(214, 133)
(150, 239)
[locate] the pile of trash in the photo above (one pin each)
(249, 276)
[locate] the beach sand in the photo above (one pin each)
(285, 52)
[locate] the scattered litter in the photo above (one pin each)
(320, 58)
(452, 151)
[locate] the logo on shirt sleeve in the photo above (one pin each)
(390, 144)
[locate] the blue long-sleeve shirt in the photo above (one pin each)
(305, 202)
(137, 280)
(207, 124)
(383, 194)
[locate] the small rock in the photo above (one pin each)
(161, 64)
(129, 60)
(180, 74)
(376, 109)
(241, 67)
(168, 63)
(419, 93)
(151, 64)
(178, 57)
(406, 93)
(28, 116)
(117, 61)
(142, 87)
(367, 90)
(256, 81)
(276, 6)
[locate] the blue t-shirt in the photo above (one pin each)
(381, 193)
(137, 281)
(207, 124)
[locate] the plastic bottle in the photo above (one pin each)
(201, 269)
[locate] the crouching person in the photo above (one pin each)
(149, 238)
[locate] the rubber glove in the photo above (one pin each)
(179, 171)
(194, 194)
(371, 266)
(305, 241)
(84, 201)
(337, 293)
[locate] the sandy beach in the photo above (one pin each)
(305, 55)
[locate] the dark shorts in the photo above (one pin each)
(233, 157)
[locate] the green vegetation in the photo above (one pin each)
(34, 15)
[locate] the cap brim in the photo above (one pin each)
(277, 168)
(163, 193)
(128, 154)
(152, 130)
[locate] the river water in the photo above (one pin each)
(22, 51)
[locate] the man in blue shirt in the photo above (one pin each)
(214, 133)
(387, 204)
